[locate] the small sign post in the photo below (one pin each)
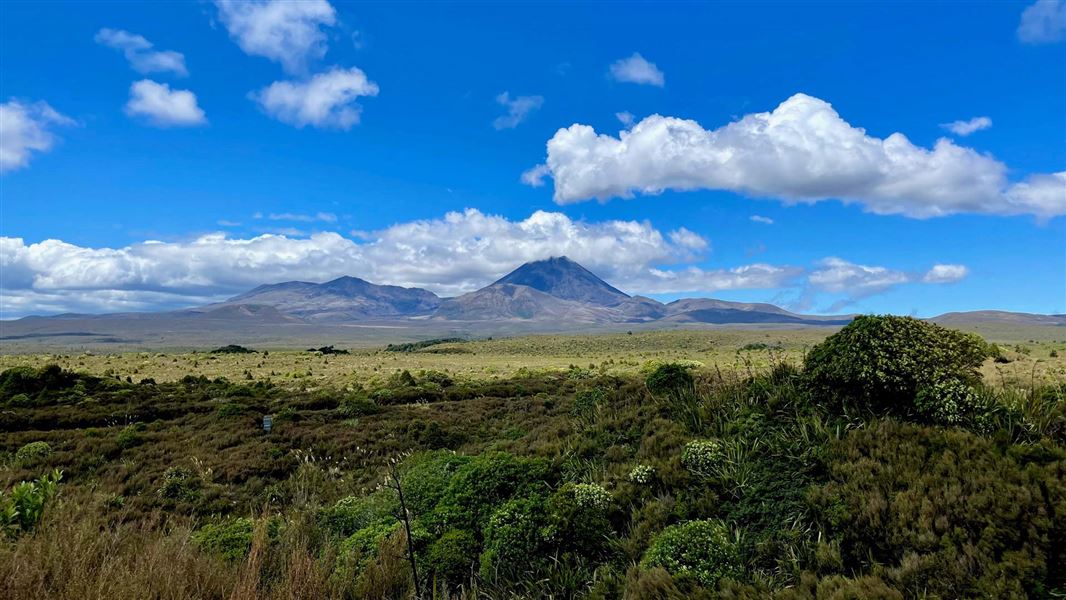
(268, 422)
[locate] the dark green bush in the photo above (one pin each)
(669, 379)
(33, 452)
(702, 550)
(450, 558)
(881, 363)
(230, 538)
(514, 537)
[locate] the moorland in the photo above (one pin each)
(891, 458)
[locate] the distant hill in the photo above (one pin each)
(340, 300)
(563, 278)
(976, 317)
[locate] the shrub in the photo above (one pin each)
(33, 452)
(880, 363)
(702, 457)
(426, 476)
(698, 549)
(23, 508)
(514, 537)
(233, 349)
(642, 474)
(451, 556)
(353, 513)
(578, 518)
(362, 546)
(586, 403)
(229, 539)
(179, 484)
(230, 409)
(669, 379)
(129, 436)
(358, 406)
(486, 481)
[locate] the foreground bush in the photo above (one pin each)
(698, 549)
(881, 363)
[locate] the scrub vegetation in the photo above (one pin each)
(889, 460)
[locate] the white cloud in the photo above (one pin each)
(26, 128)
(1043, 22)
(454, 254)
(163, 107)
(964, 128)
(283, 31)
(636, 69)
(138, 52)
(517, 109)
(625, 117)
(321, 216)
(800, 152)
(327, 100)
(761, 219)
(945, 274)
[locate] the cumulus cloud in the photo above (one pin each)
(139, 53)
(287, 32)
(327, 100)
(761, 219)
(636, 69)
(518, 109)
(457, 253)
(26, 128)
(964, 128)
(163, 107)
(945, 274)
(1043, 22)
(855, 282)
(802, 151)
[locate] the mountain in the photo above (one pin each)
(556, 289)
(342, 299)
(998, 316)
(563, 278)
(708, 310)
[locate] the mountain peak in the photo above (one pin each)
(563, 278)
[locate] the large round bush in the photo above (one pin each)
(699, 549)
(881, 363)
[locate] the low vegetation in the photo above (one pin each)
(882, 466)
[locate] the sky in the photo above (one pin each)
(836, 157)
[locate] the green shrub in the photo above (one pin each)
(129, 436)
(179, 484)
(354, 513)
(486, 481)
(702, 550)
(586, 403)
(233, 349)
(880, 363)
(21, 510)
(230, 409)
(425, 477)
(230, 539)
(642, 474)
(358, 406)
(359, 548)
(514, 537)
(33, 452)
(669, 379)
(579, 518)
(702, 458)
(451, 556)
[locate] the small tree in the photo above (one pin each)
(702, 550)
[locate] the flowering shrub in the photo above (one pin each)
(642, 474)
(698, 549)
(702, 457)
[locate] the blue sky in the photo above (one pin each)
(254, 142)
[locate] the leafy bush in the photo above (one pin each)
(23, 507)
(514, 537)
(880, 363)
(233, 349)
(362, 546)
(702, 457)
(353, 513)
(33, 452)
(586, 403)
(485, 482)
(129, 436)
(669, 379)
(642, 474)
(230, 409)
(426, 476)
(229, 539)
(358, 406)
(698, 549)
(179, 484)
(579, 518)
(450, 557)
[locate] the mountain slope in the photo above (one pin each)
(342, 299)
(563, 278)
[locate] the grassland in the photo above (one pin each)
(1029, 352)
